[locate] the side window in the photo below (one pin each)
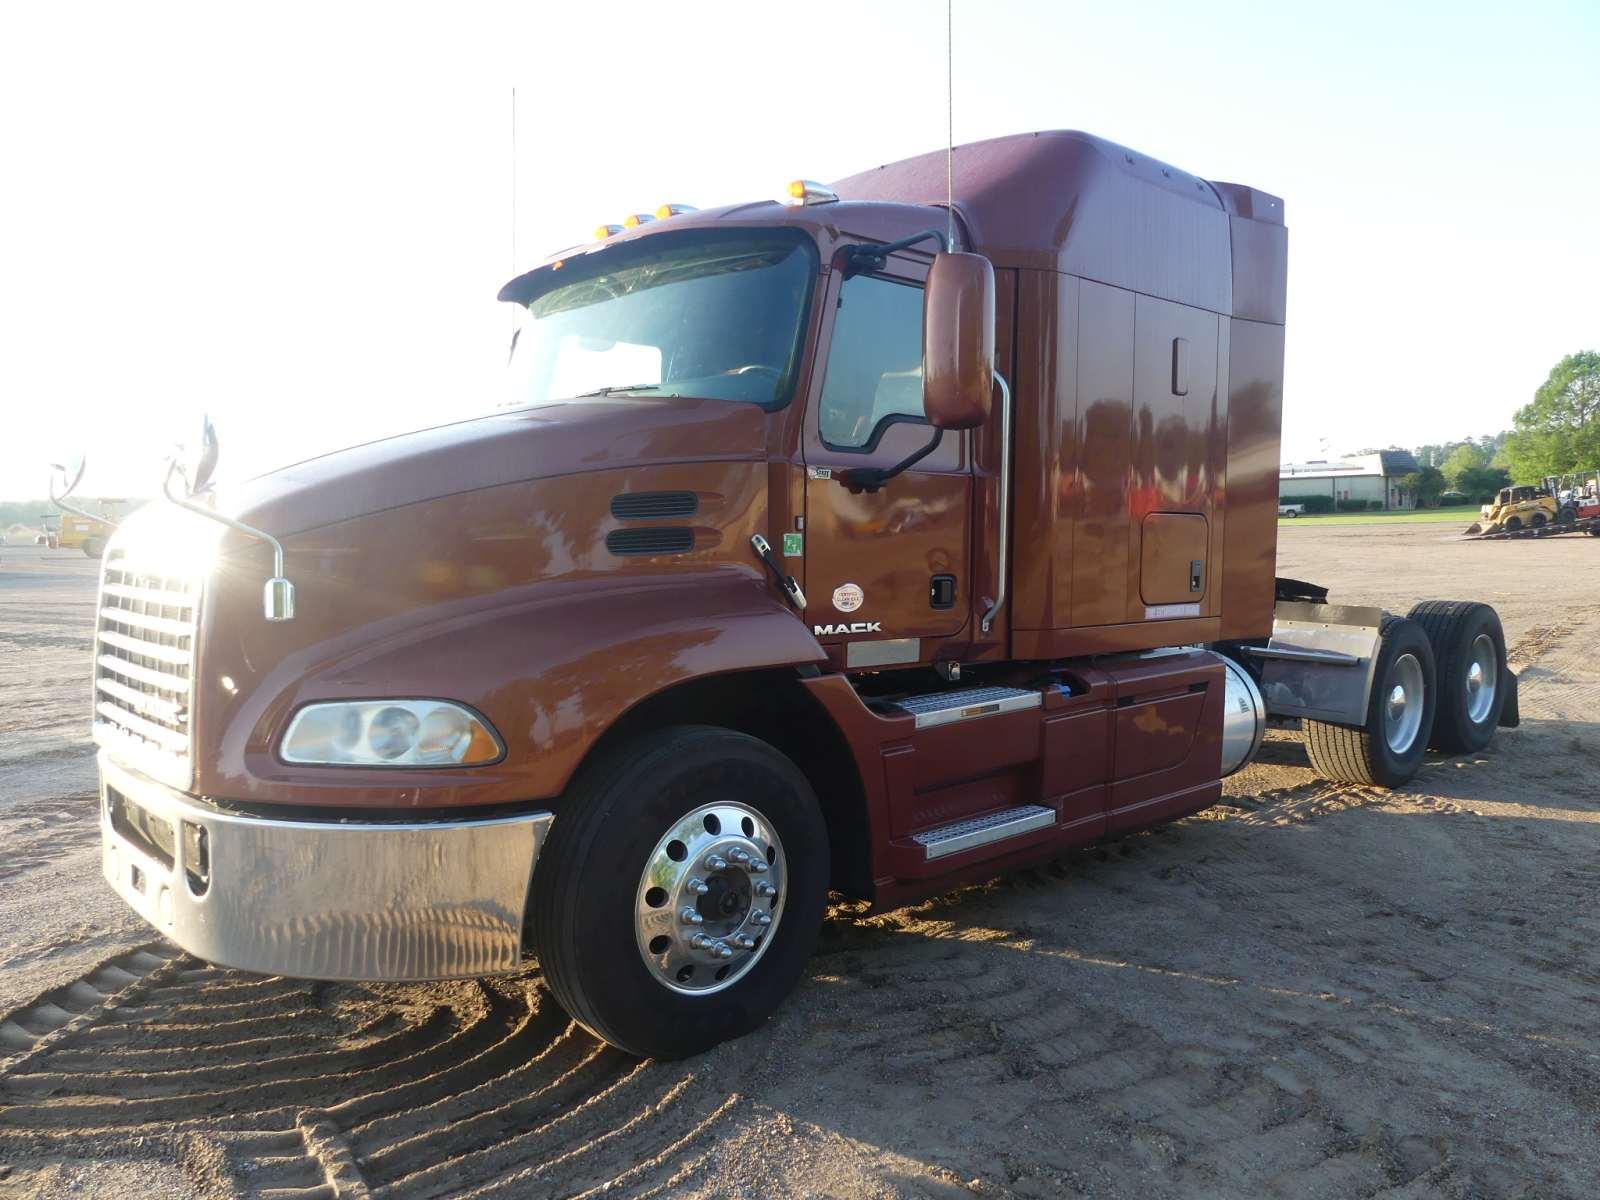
(875, 363)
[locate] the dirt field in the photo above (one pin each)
(1308, 991)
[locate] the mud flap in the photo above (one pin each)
(1510, 718)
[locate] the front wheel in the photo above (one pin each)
(1386, 750)
(681, 890)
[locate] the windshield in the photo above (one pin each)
(712, 314)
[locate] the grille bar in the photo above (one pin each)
(142, 702)
(158, 679)
(134, 645)
(143, 663)
(166, 738)
(122, 616)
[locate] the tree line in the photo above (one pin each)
(1558, 433)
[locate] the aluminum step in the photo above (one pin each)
(942, 708)
(980, 831)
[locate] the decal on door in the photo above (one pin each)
(848, 627)
(848, 597)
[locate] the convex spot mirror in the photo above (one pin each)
(69, 473)
(958, 341)
(197, 458)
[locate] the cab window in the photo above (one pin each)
(874, 373)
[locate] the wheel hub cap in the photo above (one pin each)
(1483, 678)
(1402, 715)
(710, 897)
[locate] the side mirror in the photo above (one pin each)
(70, 472)
(958, 341)
(198, 459)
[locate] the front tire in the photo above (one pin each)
(1387, 750)
(651, 837)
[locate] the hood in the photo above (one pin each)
(500, 448)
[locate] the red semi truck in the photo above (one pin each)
(842, 543)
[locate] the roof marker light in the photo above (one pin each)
(634, 220)
(602, 232)
(674, 210)
(805, 191)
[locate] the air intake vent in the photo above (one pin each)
(651, 506)
(667, 540)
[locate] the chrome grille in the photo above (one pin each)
(144, 655)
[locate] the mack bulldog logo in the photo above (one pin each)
(850, 627)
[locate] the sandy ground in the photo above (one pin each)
(1307, 991)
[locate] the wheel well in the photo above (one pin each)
(773, 706)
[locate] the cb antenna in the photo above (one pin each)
(950, 124)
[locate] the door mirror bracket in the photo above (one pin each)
(870, 479)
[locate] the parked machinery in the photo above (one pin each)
(1526, 506)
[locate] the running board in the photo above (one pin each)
(980, 831)
(944, 708)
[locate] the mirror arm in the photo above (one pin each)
(874, 256)
(278, 599)
(1005, 504)
(870, 479)
(61, 503)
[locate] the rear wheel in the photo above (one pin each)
(1469, 648)
(1512, 524)
(1388, 748)
(1567, 515)
(94, 547)
(681, 891)
(1538, 520)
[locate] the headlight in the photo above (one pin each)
(390, 733)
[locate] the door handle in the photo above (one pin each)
(791, 589)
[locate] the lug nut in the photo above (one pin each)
(698, 887)
(738, 857)
(715, 862)
(689, 916)
(757, 864)
(702, 942)
(722, 950)
(763, 888)
(761, 918)
(744, 941)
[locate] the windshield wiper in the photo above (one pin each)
(611, 388)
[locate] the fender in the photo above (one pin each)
(551, 666)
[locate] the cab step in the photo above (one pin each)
(944, 708)
(980, 831)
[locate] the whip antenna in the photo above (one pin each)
(950, 124)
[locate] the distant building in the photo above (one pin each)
(1366, 477)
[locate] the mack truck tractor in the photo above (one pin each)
(869, 541)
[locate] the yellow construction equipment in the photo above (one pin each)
(1527, 506)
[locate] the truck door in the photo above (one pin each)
(888, 573)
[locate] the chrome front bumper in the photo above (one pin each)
(320, 900)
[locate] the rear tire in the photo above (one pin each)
(1567, 516)
(1538, 520)
(94, 547)
(1469, 648)
(1512, 524)
(604, 859)
(1388, 749)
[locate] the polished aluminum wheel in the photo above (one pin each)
(710, 898)
(1403, 706)
(1483, 678)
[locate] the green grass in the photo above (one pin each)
(1461, 514)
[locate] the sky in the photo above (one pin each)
(295, 218)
